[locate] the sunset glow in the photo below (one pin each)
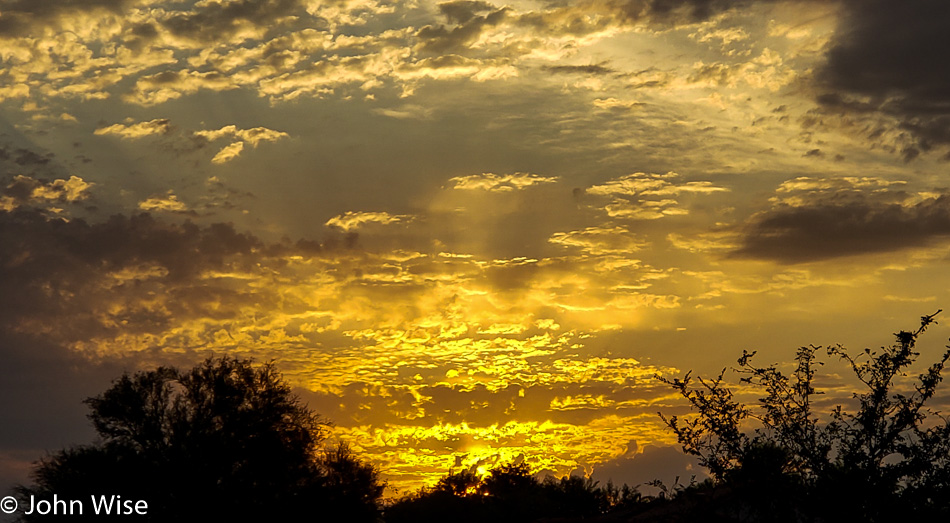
(467, 232)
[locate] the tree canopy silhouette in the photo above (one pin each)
(226, 439)
(887, 459)
(510, 493)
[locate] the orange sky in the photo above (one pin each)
(466, 231)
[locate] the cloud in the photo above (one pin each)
(23, 17)
(600, 240)
(804, 189)
(437, 39)
(228, 153)
(250, 136)
(186, 141)
(668, 12)
(355, 219)
(615, 104)
(406, 112)
(818, 219)
(287, 49)
(94, 267)
(888, 61)
(167, 203)
(499, 182)
(768, 70)
(137, 130)
(23, 190)
(169, 85)
(646, 196)
(233, 21)
(590, 69)
(23, 157)
(641, 184)
(410, 352)
(476, 328)
(713, 241)
(450, 67)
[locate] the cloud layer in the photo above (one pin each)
(467, 231)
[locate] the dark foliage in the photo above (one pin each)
(887, 460)
(510, 493)
(223, 441)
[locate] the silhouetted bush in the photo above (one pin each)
(887, 460)
(510, 493)
(223, 441)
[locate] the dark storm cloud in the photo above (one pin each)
(892, 59)
(838, 226)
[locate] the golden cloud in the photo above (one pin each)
(251, 136)
(499, 182)
(600, 240)
(168, 203)
(137, 130)
(355, 219)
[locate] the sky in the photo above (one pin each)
(467, 232)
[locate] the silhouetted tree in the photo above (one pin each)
(885, 461)
(459, 484)
(510, 493)
(225, 440)
(349, 489)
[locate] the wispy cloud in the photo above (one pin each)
(351, 220)
(499, 182)
(253, 137)
(167, 203)
(137, 130)
(648, 196)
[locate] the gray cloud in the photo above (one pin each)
(461, 11)
(18, 160)
(593, 69)
(891, 59)
(441, 40)
(839, 225)
(675, 11)
(213, 20)
(94, 279)
(22, 190)
(20, 17)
